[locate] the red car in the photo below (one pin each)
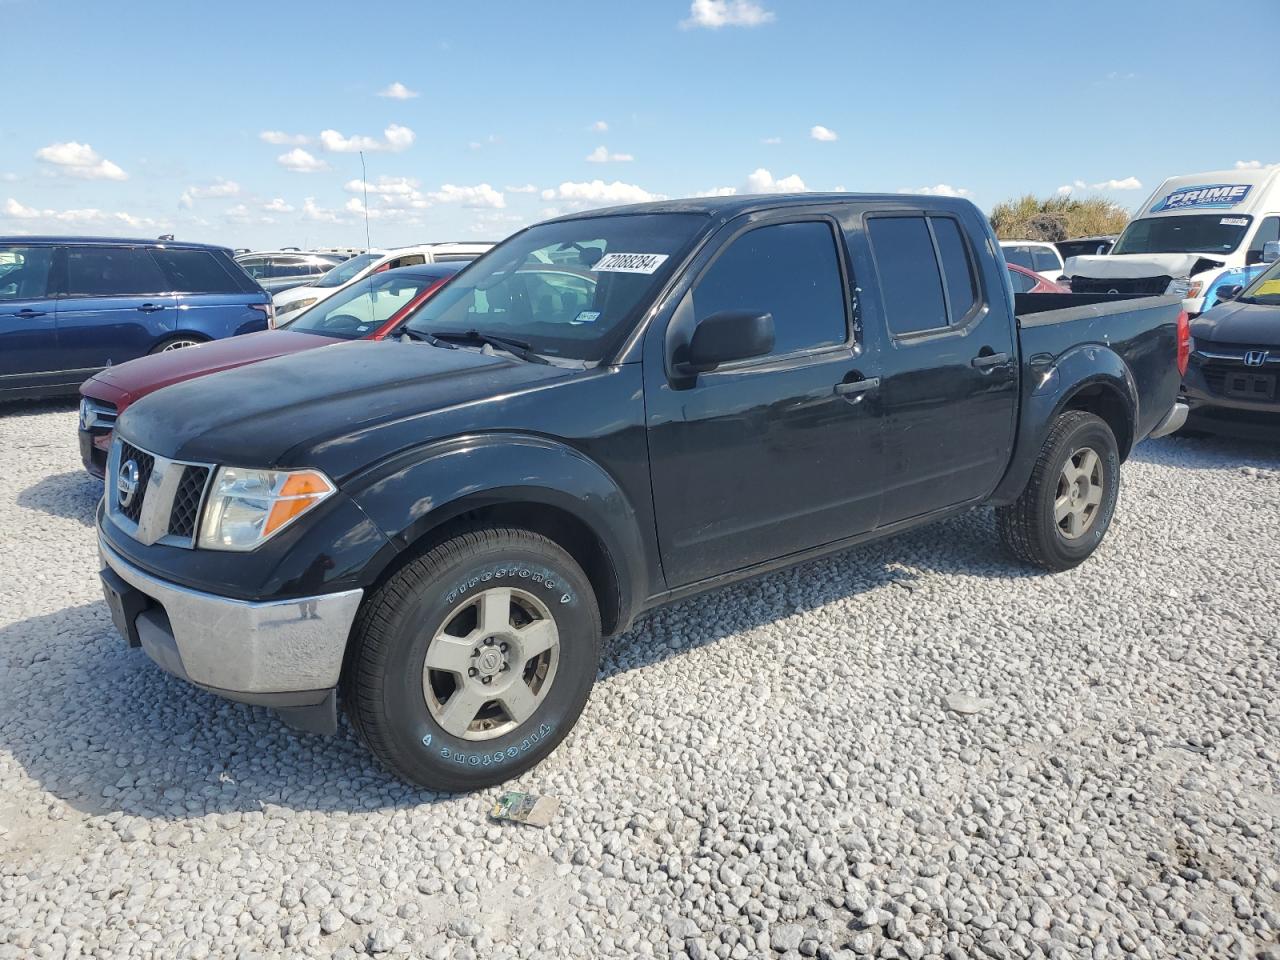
(1028, 281)
(367, 310)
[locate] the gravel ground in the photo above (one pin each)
(915, 750)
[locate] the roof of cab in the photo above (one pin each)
(111, 242)
(729, 207)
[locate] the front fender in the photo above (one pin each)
(416, 492)
(1048, 389)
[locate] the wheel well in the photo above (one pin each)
(1106, 402)
(559, 526)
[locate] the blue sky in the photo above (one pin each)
(236, 122)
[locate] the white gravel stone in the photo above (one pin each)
(771, 770)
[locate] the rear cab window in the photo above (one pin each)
(927, 272)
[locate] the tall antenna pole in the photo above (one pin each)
(364, 182)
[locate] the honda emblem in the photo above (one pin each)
(1255, 358)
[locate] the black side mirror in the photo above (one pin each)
(1229, 292)
(725, 337)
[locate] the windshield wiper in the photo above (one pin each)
(407, 334)
(518, 348)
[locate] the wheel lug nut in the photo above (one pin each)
(486, 680)
(472, 672)
(502, 647)
(488, 641)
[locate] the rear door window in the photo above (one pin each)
(1021, 282)
(24, 272)
(910, 282)
(112, 272)
(193, 271)
(1044, 259)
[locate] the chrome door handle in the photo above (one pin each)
(982, 362)
(150, 307)
(849, 387)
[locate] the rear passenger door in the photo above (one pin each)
(116, 306)
(948, 392)
(28, 337)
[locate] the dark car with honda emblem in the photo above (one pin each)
(436, 531)
(1232, 385)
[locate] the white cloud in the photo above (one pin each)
(386, 187)
(772, 141)
(488, 141)
(526, 188)
(398, 91)
(826, 135)
(937, 190)
(601, 154)
(481, 195)
(718, 192)
(598, 193)
(299, 161)
(762, 181)
(20, 211)
(280, 139)
(1256, 165)
(715, 14)
(600, 126)
(395, 139)
(219, 188)
(80, 160)
(1128, 183)
(318, 214)
(277, 206)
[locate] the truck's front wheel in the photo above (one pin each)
(474, 660)
(1066, 507)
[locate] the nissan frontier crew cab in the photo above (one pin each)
(607, 412)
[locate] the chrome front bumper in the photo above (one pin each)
(241, 650)
(1172, 421)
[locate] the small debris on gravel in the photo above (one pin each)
(773, 770)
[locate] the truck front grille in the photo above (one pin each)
(1151, 286)
(163, 506)
(186, 502)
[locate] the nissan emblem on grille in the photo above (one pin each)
(1255, 358)
(127, 481)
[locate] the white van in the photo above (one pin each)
(1186, 235)
(1034, 255)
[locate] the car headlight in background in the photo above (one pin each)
(295, 306)
(1194, 289)
(247, 507)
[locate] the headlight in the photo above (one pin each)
(295, 305)
(1194, 289)
(246, 507)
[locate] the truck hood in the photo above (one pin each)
(1132, 266)
(1245, 324)
(126, 383)
(280, 411)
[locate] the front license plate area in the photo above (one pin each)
(125, 603)
(1251, 386)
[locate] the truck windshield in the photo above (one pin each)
(346, 270)
(1265, 289)
(1190, 233)
(570, 289)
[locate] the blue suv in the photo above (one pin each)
(70, 306)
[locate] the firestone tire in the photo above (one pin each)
(392, 694)
(1053, 523)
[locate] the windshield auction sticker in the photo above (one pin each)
(1211, 196)
(629, 262)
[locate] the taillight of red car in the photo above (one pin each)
(1184, 342)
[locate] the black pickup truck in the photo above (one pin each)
(608, 412)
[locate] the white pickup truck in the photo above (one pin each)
(1186, 235)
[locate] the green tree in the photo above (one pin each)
(1056, 218)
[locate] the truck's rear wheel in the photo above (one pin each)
(1066, 507)
(474, 661)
